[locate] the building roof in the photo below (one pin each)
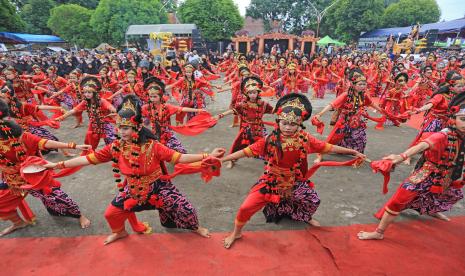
(442, 27)
(172, 28)
(18, 38)
(253, 26)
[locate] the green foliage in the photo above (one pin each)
(410, 12)
(71, 22)
(389, 2)
(36, 13)
(90, 4)
(217, 19)
(295, 16)
(9, 19)
(169, 5)
(111, 18)
(351, 17)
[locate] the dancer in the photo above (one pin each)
(435, 184)
(250, 112)
(350, 128)
(99, 111)
(283, 189)
(139, 157)
(157, 114)
(17, 145)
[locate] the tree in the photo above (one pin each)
(72, 23)
(217, 19)
(295, 16)
(111, 18)
(351, 17)
(36, 13)
(9, 19)
(410, 12)
(90, 4)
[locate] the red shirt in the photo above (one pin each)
(31, 143)
(157, 113)
(291, 149)
(152, 153)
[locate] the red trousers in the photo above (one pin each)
(398, 202)
(93, 139)
(253, 203)
(116, 218)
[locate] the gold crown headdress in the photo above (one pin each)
(291, 66)
(121, 121)
(154, 88)
(252, 85)
(290, 115)
(357, 77)
(189, 67)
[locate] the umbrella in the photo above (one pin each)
(326, 40)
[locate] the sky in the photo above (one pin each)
(450, 9)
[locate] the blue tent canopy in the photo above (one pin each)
(442, 27)
(17, 38)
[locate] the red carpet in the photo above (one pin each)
(429, 247)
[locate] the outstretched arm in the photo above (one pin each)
(234, 156)
(346, 151)
(66, 115)
(188, 109)
(71, 163)
(190, 158)
(397, 158)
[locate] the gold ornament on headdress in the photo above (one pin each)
(252, 85)
(189, 67)
(291, 116)
(357, 77)
(127, 121)
(291, 66)
(91, 84)
(383, 56)
(154, 88)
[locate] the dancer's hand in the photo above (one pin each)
(218, 152)
(360, 155)
(84, 147)
(394, 157)
(50, 165)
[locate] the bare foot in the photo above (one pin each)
(230, 165)
(77, 125)
(204, 232)
(314, 222)
(13, 228)
(440, 216)
(84, 222)
(229, 240)
(362, 235)
(115, 236)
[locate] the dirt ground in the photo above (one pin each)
(348, 195)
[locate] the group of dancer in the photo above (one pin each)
(129, 110)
